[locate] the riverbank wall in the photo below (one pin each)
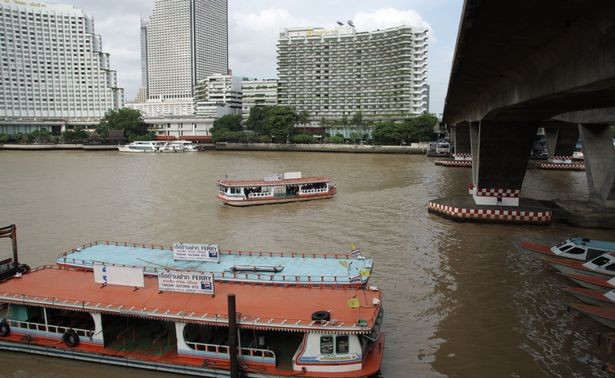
(60, 146)
(414, 148)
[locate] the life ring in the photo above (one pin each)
(5, 329)
(321, 316)
(71, 338)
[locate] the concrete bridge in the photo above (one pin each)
(522, 65)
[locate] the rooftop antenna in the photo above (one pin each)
(350, 23)
(340, 23)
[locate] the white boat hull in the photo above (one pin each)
(256, 202)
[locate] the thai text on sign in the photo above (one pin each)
(199, 252)
(186, 282)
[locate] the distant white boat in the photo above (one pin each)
(141, 146)
(178, 146)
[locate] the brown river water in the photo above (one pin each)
(461, 299)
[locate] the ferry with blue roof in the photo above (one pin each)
(294, 268)
(194, 310)
(576, 248)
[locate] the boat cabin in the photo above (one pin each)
(282, 330)
(582, 248)
(289, 187)
(604, 264)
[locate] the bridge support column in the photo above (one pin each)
(599, 156)
(500, 153)
(562, 139)
(463, 148)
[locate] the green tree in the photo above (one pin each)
(336, 139)
(41, 136)
(387, 133)
(230, 122)
(423, 127)
(357, 119)
(256, 120)
(129, 120)
(75, 136)
(354, 137)
(302, 138)
(303, 117)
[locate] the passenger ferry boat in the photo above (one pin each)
(289, 187)
(576, 248)
(128, 319)
(294, 268)
(142, 146)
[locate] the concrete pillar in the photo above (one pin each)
(562, 139)
(474, 140)
(500, 160)
(599, 156)
(462, 141)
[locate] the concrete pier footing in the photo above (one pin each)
(463, 208)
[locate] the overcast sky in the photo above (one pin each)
(254, 26)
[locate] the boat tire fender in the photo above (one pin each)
(71, 338)
(5, 329)
(321, 316)
(23, 268)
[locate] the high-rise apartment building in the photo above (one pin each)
(53, 71)
(336, 73)
(187, 40)
(258, 93)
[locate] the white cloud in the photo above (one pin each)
(253, 38)
(390, 18)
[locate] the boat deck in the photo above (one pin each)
(266, 308)
(281, 182)
(298, 268)
(599, 244)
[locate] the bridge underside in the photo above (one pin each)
(517, 66)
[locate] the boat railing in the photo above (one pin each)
(259, 195)
(312, 191)
(49, 328)
(253, 353)
(227, 252)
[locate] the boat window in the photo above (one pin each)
(326, 344)
(341, 344)
(593, 253)
(600, 260)
(565, 248)
(610, 268)
(576, 251)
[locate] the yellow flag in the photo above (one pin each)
(353, 303)
(344, 263)
(365, 272)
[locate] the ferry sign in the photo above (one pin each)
(186, 282)
(118, 275)
(192, 252)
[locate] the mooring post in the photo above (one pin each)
(14, 239)
(232, 337)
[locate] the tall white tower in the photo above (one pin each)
(53, 71)
(187, 40)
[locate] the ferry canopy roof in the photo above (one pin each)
(260, 307)
(298, 181)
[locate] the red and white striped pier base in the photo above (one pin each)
(561, 160)
(494, 196)
(563, 166)
(463, 157)
(454, 163)
(456, 209)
